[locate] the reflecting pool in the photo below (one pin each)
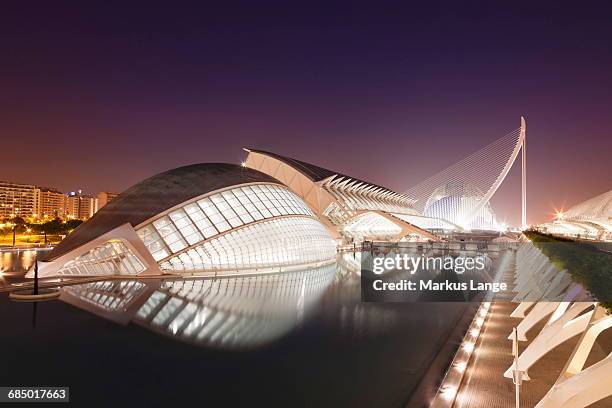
(300, 338)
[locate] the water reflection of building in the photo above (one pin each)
(17, 261)
(240, 311)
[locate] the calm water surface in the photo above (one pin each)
(300, 339)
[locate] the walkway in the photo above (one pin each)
(484, 384)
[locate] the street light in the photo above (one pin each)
(517, 375)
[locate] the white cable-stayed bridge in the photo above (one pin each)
(461, 193)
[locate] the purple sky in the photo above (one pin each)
(101, 97)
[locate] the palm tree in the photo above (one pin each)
(18, 223)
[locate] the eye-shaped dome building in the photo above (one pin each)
(199, 218)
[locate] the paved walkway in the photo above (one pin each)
(484, 384)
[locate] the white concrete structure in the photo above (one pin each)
(576, 387)
(568, 325)
(203, 218)
(591, 219)
(456, 203)
(570, 312)
(461, 193)
(350, 208)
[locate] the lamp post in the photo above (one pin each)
(36, 294)
(517, 377)
(36, 277)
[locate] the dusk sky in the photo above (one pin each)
(101, 97)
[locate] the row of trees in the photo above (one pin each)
(53, 227)
(587, 264)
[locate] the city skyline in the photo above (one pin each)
(104, 102)
(512, 183)
(34, 202)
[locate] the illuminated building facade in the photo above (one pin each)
(273, 212)
(51, 203)
(203, 218)
(105, 197)
(30, 201)
(591, 219)
(18, 200)
(351, 209)
(80, 206)
(460, 204)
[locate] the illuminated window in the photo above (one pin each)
(218, 213)
(277, 242)
(111, 258)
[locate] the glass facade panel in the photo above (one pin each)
(111, 258)
(218, 213)
(185, 225)
(278, 242)
(170, 234)
(153, 242)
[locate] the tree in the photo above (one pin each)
(55, 226)
(72, 224)
(19, 224)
